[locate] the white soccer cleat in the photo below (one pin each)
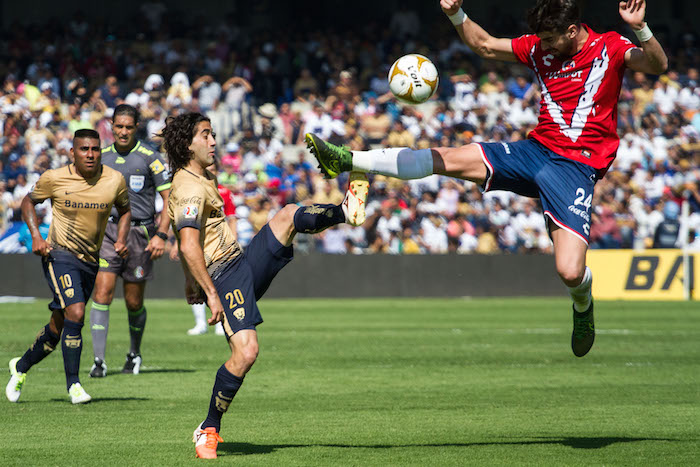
(78, 394)
(355, 198)
(219, 329)
(197, 330)
(14, 387)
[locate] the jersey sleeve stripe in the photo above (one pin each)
(165, 186)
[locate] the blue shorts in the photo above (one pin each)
(70, 279)
(246, 280)
(565, 187)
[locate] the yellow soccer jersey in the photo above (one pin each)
(195, 202)
(80, 207)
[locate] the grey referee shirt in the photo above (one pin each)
(145, 173)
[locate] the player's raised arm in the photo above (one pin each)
(480, 41)
(650, 57)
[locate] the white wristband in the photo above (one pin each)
(458, 18)
(644, 34)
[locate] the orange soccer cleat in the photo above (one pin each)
(205, 442)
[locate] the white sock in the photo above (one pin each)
(199, 311)
(403, 163)
(581, 294)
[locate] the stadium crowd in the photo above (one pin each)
(263, 91)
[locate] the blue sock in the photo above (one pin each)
(226, 386)
(72, 346)
(317, 218)
(44, 344)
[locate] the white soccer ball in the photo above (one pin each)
(413, 79)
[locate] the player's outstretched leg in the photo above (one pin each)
(403, 163)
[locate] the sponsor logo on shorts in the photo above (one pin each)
(580, 212)
(506, 147)
(190, 212)
(138, 272)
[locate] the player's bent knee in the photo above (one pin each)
(571, 275)
(249, 353)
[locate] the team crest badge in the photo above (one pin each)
(137, 182)
(239, 314)
(568, 65)
(138, 272)
(69, 293)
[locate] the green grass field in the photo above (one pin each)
(376, 382)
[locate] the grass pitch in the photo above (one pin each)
(376, 382)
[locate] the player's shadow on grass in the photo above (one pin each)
(576, 443)
(166, 370)
(97, 400)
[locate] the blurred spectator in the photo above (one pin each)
(263, 91)
(666, 234)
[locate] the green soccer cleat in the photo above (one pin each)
(14, 387)
(583, 334)
(332, 159)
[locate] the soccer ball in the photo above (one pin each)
(413, 79)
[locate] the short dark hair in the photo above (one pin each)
(86, 133)
(126, 109)
(553, 15)
(177, 138)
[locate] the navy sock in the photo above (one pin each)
(317, 218)
(72, 346)
(44, 344)
(137, 324)
(226, 386)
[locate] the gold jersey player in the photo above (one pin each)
(217, 270)
(82, 195)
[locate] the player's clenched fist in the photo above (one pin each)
(450, 7)
(40, 246)
(121, 249)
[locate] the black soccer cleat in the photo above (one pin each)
(99, 369)
(583, 334)
(132, 364)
